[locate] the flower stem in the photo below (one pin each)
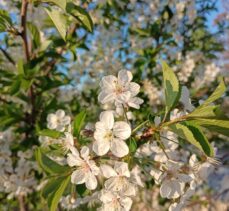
(139, 126)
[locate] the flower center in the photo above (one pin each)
(108, 136)
(119, 89)
(86, 167)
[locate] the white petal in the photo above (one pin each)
(184, 178)
(78, 177)
(84, 152)
(106, 97)
(122, 130)
(126, 203)
(124, 77)
(175, 207)
(134, 88)
(101, 147)
(113, 184)
(122, 169)
(108, 82)
(74, 160)
(156, 174)
(60, 113)
(51, 125)
(106, 196)
(69, 138)
(165, 189)
(75, 151)
(100, 127)
(124, 97)
(107, 171)
(66, 120)
(91, 182)
(94, 169)
(129, 190)
(172, 189)
(107, 117)
(135, 102)
(119, 148)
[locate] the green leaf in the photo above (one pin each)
(5, 21)
(35, 34)
(51, 186)
(20, 67)
(59, 20)
(132, 145)
(48, 165)
(214, 125)
(171, 87)
(80, 14)
(219, 91)
(54, 197)
(60, 3)
(15, 87)
(211, 111)
(192, 133)
(49, 133)
(78, 122)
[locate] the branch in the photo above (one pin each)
(6, 54)
(22, 204)
(23, 33)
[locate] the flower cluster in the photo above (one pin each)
(16, 179)
(112, 173)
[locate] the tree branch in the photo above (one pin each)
(23, 33)
(6, 54)
(21, 201)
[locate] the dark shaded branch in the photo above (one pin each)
(6, 54)
(23, 33)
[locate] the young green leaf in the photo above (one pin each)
(80, 14)
(35, 34)
(5, 21)
(51, 186)
(48, 165)
(20, 67)
(59, 3)
(215, 125)
(16, 85)
(219, 91)
(210, 111)
(49, 133)
(171, 87)
(54, 197)
(78, 122)
(131, 142)
(192, 133)
(59, 20)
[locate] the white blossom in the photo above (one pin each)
(174, 181)
(118, 178)
(58, 121)
(120, 90)
(86, 171)
(110, 135)
(114, 201)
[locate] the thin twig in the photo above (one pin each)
(139, 126)
(6, 54)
